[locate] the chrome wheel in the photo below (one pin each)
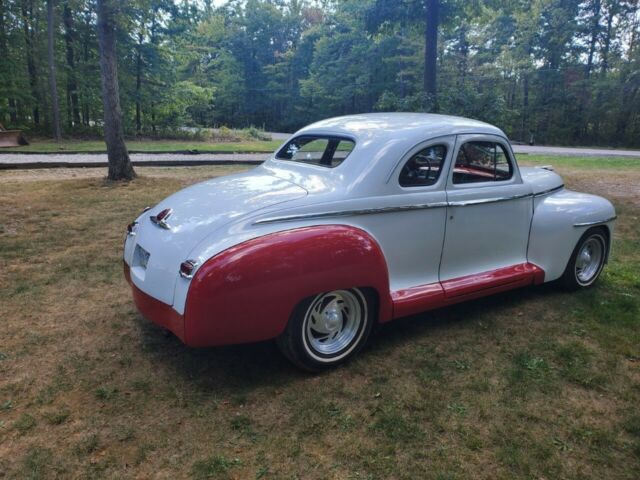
(589, 260)
(333, 324)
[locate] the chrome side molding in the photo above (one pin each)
(598, 222)
(402, 208)
(481, 201)
(348, 213)
(551, 190)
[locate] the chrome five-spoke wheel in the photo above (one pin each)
(587, 260)
(328, 328)
(333, 321)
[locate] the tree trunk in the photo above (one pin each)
(463, 55)
(5, 67)
(595, 30)
(119, 164)
(72, 85)
(55, 108)
(86, 116)
(431, 53)
(26, 9)
(607, 40)
(139, 84)
(525, 107)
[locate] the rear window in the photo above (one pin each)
(326, 151)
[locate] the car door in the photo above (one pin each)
(410, 228)
(489, 209)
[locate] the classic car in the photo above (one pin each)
(355, 221)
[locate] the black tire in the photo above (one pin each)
(299, 341)
(570, 279)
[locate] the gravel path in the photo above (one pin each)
(39, 160)
(36, 160)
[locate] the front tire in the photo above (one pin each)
(328, 329)
(587, 260)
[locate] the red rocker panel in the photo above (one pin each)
(248, 292)
(435, 295)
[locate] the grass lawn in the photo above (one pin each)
(581, 162)
(151, 146)
(535, 383)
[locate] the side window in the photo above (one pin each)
(423, 168)
(482, 162)
(310, 152)
(317, 150)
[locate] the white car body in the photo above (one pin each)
(428, 234)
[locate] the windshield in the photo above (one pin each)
(327, 151)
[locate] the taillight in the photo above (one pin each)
(161, 218)
(187, 267)
(163, 214)
(131, 228)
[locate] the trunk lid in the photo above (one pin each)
(198, 211)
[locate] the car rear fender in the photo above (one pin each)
(246, 293)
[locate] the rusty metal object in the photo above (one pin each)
(12, 138)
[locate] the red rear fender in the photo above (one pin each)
(248, 292)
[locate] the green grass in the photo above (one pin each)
(584, 163)
(150, 146)
(534, 383)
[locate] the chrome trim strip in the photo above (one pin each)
(403, 208)
(551, 190)
(160, 223)
(599, 222)
(348, 213)
(480, 201)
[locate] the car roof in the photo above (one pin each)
(411, 126)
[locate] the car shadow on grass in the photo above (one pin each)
(240, 369)
(463, 314)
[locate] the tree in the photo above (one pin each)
(55, 109)
(564, 70)
(72, 84)
(120, 167)
(431, 52)
(26, 9)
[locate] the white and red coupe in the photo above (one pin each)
(355, 221)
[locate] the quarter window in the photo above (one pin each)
(317, 150)
(423, 168)
(482, 162)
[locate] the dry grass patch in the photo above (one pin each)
(535, 383)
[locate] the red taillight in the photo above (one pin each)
(161, 218)
(187, 267)
(163, 214)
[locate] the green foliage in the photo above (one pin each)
(551, 71)
(25, 423)
(217, 466)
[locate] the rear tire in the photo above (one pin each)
(327, 329)
(587, 260)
